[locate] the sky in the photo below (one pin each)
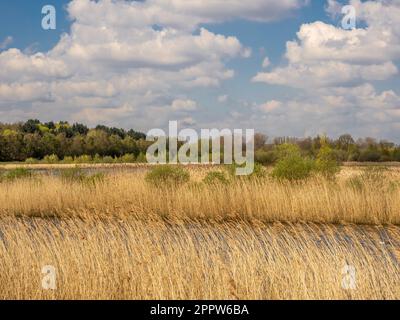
(283, 68)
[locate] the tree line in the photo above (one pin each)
(36, 140)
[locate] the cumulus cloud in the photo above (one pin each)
(184, 105)
(326, 55)
(123, 61)
(336, 70)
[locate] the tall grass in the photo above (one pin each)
(129, 259)
(127, 194)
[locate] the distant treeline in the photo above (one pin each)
(36, 140)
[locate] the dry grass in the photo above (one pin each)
(134, 260)
(121, 238)
(125, 194)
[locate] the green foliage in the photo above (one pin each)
(369, 156)
(216, 178)
(15, 174)
(68, 160)
(326, 163)
(291, 165)
(265, 157)
(128, 158)
(108, 159)
(141, 158)
(167, 176)
(52, 159)
(83, 159)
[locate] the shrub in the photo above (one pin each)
(326, 163)
(293, 168)
(215, 178)
(141, 158)
(83, 159)
(265, 157)
(108, 159)
(128, 158)
(167, 175)
(291, 165)
(68, 160)
(52, 159)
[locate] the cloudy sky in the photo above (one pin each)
(281, 67)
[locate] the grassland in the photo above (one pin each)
(116, 236)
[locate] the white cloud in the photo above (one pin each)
(336, 70)
(270, 106)
(324, 55)
(184, 105)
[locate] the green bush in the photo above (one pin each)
(265, 157)
(141, 158)
(127, 158)
(215, 178)
(51, 159)
(293, 168)
(108, 159)
(167, 175)
(68, 160)
(326, 163)
(291, 165)
(83, 159)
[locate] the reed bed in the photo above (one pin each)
(127, 194)
(118, 236)
(130, 259)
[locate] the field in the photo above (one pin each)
(110, 234)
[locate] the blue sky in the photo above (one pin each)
(218, 83)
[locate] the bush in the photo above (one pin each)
(52, 159)
(326, 163)
(265, 157)
(83, 159)
(293, 168)
(108, 159)
(291, 165)
(128, 158)
(215, 178)
(68, 160)
(167, 175)
(141, 158)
